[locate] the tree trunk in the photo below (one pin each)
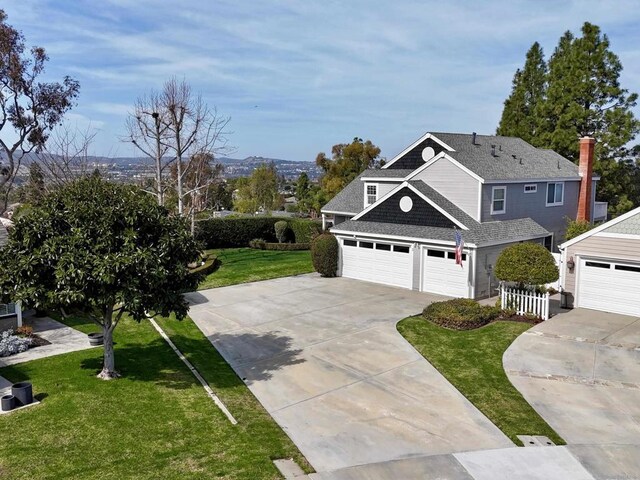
(108, 367)
(193, 222)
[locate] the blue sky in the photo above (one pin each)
(297, 77)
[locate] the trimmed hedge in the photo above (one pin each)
(238, 232)
(460, 314)
(259, 244)
(324, 255)
(210, 265)
(526, 264)
(282, 229)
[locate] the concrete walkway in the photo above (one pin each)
(63, 340)
(581, 372)
(324, 358)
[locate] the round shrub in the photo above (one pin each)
(324, 254)
(526, 264)
(281, 227)
(460, 314)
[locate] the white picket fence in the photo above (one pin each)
(525, 302)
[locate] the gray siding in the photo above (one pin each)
(455, 184)
(533, 205)
(337, 219)
(486, 256)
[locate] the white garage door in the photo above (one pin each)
(610, 286)
(440, 274)
(379, 262)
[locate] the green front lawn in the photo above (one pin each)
(155, 422)
(472, 361)
(242, 265)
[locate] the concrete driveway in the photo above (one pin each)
(581, 372)
(324, 358)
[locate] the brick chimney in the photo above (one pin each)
(587, 146)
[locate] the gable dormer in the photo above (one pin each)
(418, 153)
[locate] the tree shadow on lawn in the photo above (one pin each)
(255, 356)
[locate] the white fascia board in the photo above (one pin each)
(624, 236)
(413, 145)
(452, 160)
(600, 228)
(382, 236)
(383, 179)
(511, 240)
(534, 180)
(417, 192)
(334, 212)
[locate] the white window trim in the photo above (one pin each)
(504, 200)
(534, 185)
(546, 198)
(366, 195)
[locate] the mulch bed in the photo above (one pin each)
(37, 341)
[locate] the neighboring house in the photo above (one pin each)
(600, 269)
(397, 225)
(10, 313)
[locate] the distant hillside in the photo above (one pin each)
(234, 167)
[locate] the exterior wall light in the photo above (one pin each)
(571, 264)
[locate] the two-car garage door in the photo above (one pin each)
(609, 285)
(380, 262)
(434, 270)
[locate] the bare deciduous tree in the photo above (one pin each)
(66, 156)
(29, 108)
(148, 129)
(194, 132)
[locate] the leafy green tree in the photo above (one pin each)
(528, 91)
(526, 264)
(575, 228)
(35, 187)
(259, 191)
(99, 250)
(30, 108)
(347, 161)
(303, 188)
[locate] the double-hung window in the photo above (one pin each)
(555, 194)
(372, 194)
(498, 200)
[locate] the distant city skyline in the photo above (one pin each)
(298, 77)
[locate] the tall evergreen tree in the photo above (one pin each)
(528, 91)
(584, 97)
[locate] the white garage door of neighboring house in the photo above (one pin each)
(440, 274)
(609, 285)
(379, 262)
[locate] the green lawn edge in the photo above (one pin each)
(245, 265)
(472, 361)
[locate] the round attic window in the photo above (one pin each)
(428, 153)
(406, 204)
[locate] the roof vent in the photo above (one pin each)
(473, 138)
(500, 147)
(493, 151)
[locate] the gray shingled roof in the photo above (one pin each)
(351, 198)
(478, 233)
(529, 162)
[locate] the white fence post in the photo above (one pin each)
(524, 302)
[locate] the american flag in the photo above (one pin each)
(459, 247)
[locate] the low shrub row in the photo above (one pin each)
(260, 244)
(238, 232)
(460, 314)
(209, 265)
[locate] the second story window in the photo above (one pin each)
(498, 200)
(372, 194)
(555, 194)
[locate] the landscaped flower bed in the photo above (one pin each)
(23, 340)
(467, 314)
